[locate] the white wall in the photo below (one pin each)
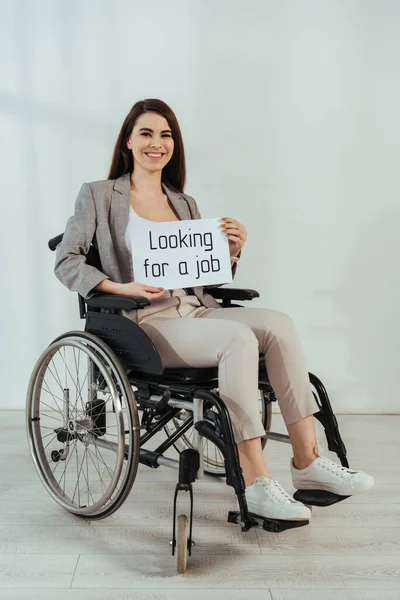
(290, 116)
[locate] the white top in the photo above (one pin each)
(134, 221)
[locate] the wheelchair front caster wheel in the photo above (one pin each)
(182, 544)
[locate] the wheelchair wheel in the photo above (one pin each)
(82, 425)
(214, 463)
(182, 543)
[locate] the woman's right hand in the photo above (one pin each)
(141, 289)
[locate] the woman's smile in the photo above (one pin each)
(154, 155)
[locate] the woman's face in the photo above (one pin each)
(151, 134)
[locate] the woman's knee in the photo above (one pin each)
(281, 325)
(242, 336)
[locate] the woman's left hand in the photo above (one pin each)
(236, 233)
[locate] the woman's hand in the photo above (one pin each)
(140, 289)
(236, 233)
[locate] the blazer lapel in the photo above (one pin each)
(178, 202)
(119, 216)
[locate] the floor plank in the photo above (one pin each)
(349, 551)
(37, 570)
(212, 594)
(306, 571)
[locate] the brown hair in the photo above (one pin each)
(174, 172)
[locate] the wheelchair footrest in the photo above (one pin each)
(318, 497)
(274, 525)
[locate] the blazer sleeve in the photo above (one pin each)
(70, 266)
(196, 215)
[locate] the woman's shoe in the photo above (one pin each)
(266, 498)
(324, 474)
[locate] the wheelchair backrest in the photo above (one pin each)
(92, 257)
(130, 343)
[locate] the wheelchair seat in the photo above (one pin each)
(206, 374)
(139, 355)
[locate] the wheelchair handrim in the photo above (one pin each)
(100, 357)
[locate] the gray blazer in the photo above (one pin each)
(101, 215)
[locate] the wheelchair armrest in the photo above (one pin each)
(117, 301)
(221, 293)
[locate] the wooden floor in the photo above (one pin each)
(349, 551)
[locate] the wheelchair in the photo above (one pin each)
(87, 427)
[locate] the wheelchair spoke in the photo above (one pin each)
(81, 465)
(48, 444)
(48, 434)
(97, 469)
(66, 463)
(68, 459)
(77, 478)
(76, 387)
(102, 460)
(77, 377)
(99, 456)
(51, 417)
(53, 395)
(87, 476)
(56, 379)
(86, 479)
(54, 398)
(64, 472)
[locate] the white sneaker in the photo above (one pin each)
(324, 474)
(266, 498)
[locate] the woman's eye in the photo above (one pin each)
(164, 135)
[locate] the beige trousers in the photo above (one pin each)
(187, 334)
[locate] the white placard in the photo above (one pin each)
(179, 254)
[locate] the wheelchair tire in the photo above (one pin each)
(95, 440)
(182, 544)
(216, 466)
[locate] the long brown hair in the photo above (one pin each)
(174, 172)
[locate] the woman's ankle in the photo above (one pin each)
(302, 463)
(252, 461)
(304, 458)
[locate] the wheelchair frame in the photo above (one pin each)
(163, 393)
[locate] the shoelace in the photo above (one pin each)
(329, 465)
(275, 491)
(334, 468)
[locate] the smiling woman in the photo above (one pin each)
(190, 328)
